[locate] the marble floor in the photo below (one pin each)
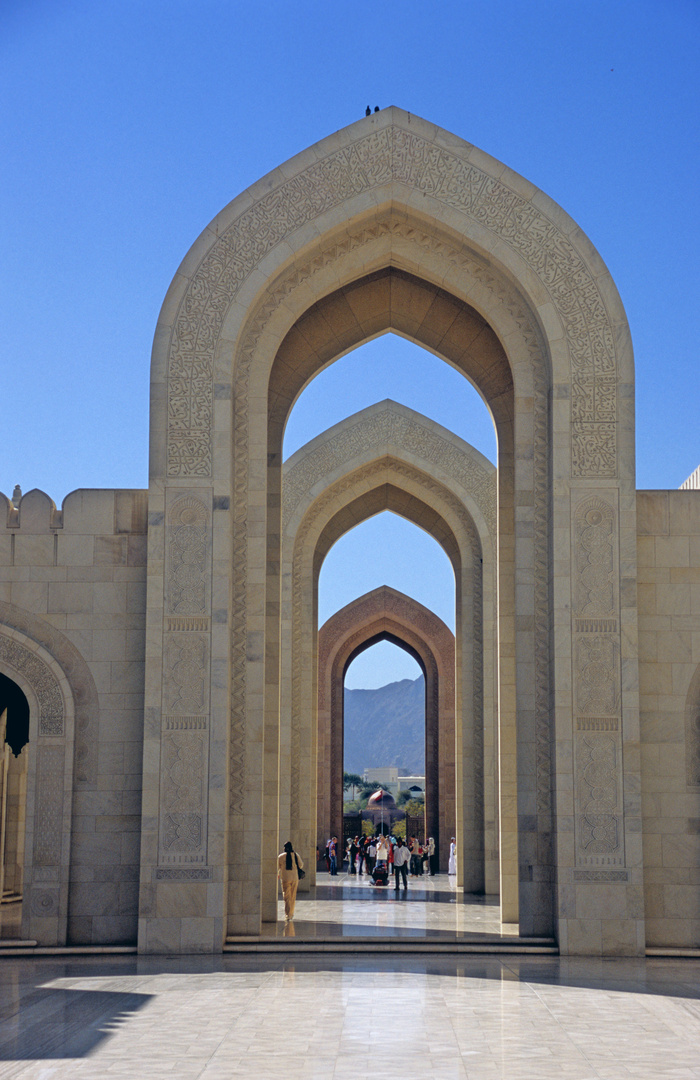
(348, 906)
(477, 1018)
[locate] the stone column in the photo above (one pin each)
(181, 900)
(507, 732)
(601, 910)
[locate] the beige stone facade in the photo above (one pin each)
(72, 617)
(669, 711)
(166, 640)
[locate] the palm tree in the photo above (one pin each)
(353, 780)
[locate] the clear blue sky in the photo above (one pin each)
(126, 126)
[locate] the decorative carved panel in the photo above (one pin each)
(597, 788)
(601, 875)
(183, 797)
(598, 670)
(186, 681)
(597, 684)
(48, 816)
(42, 680)
(377, 159)
(187, 660)
(594, 537)
(188, 556)
(197, 873)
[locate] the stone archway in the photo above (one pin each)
(62, 763)
(390, 457)
(393, 224)
(47, 820)
(14, 754)
(387, 484)
(385, 614)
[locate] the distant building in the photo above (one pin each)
(386, 775)
(382, 811)
(415, 784)
(693, 481)
(390, 778)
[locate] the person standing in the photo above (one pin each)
(401, 857)
(452, 864)
(333, 853)
(432, 857)
(371, 854)
(288, 866)
(413, 848)
(362, 854)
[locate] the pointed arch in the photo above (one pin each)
(390, 205)
(381, 615)
(64, 719)
(390, 457)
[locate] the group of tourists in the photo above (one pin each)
(390, 853)
(363, 853)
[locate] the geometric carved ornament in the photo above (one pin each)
(42, 681)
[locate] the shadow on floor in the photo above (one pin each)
(378, 892)
(311, 929)
(39, 1022)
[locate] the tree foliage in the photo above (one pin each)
(352, 780)
(407, 796)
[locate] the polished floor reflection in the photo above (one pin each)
(482, 1017)
(433, 909)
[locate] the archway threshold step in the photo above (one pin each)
(12, 947)
(538, 946)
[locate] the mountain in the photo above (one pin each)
(386, 726)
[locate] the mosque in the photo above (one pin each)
(169, 708)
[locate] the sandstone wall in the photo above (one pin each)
(82, 571)
(668, 525)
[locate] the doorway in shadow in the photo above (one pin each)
(14, 752)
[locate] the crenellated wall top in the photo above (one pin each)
(93, 511)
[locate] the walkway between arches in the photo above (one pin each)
(433, 913)
(347, 906)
